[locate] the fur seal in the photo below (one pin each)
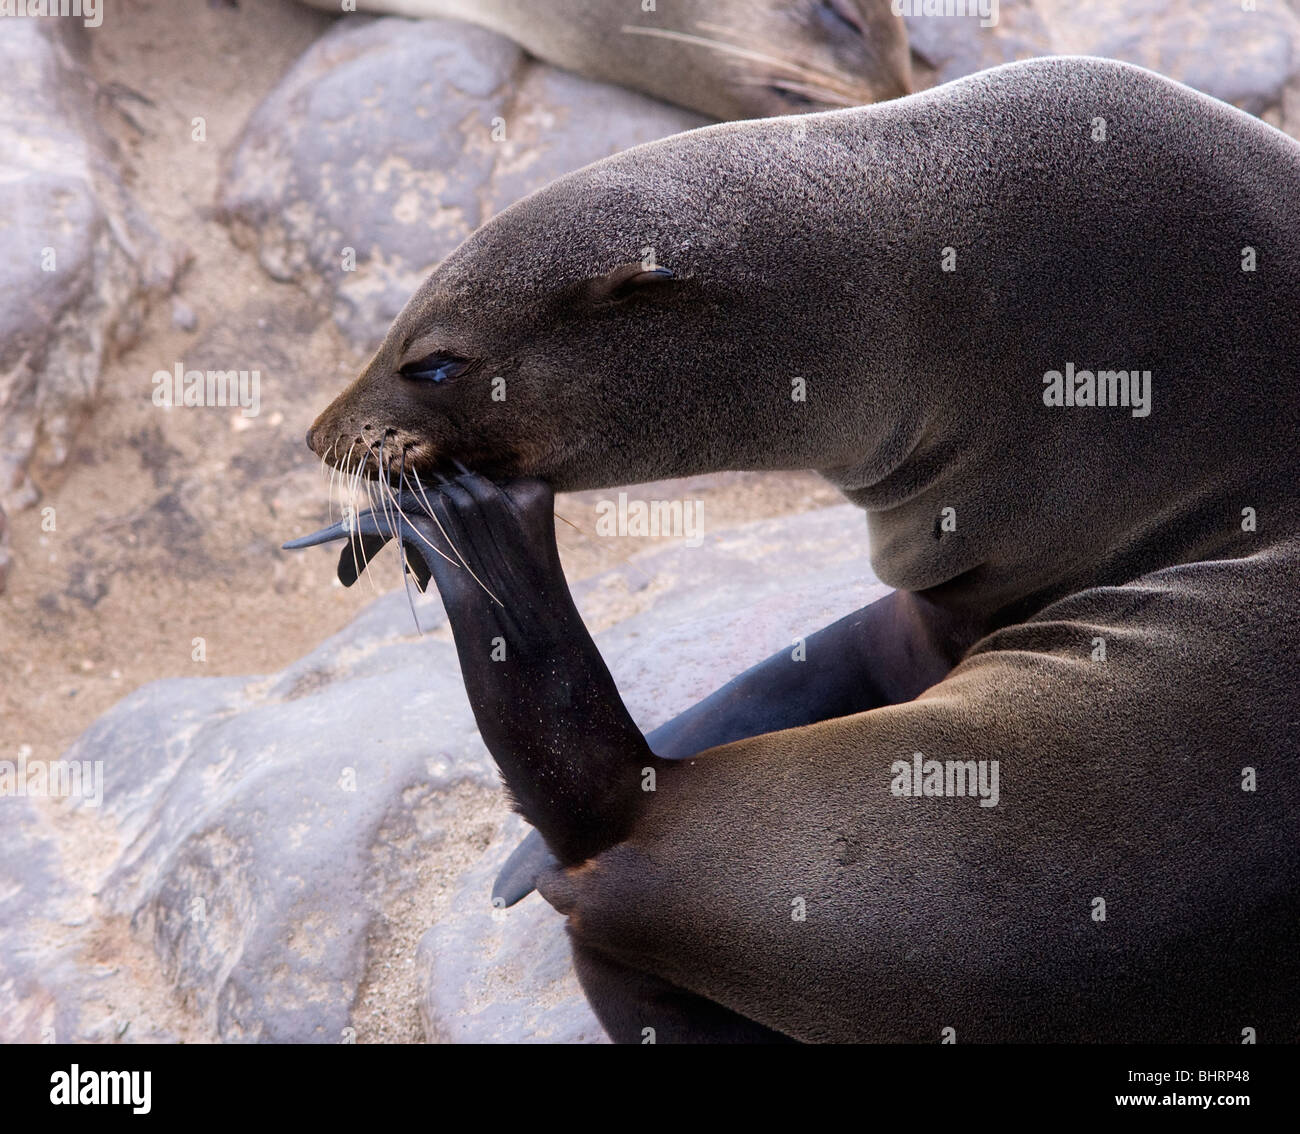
(724, 58)
(1097, 576)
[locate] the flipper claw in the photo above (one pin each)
(368, 532)
(518, 878)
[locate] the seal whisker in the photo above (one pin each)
(404, 563)
(406, 582)
(361, 482)
(374, 484)
(386, 496)
(388, 501)
(365, 480)
(628, 563)
(836, 80)
(334, 468)
(329, 489)
(370, 504)
(725, 48)
(423, 537)
(805, 90)
(379, 479)
(392, 504)
(351, 513)
(434, 517)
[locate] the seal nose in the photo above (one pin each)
(316, 438)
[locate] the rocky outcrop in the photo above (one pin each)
(392, 140)
(953, 46)
(78, 261)
(1247, 58)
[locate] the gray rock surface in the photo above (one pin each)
(265, 822)
(1247, 58)
(953, 46)
(58, 963)
(501, 976)
(398, 138)
(77, 259)
(30, 888)
(284, 841)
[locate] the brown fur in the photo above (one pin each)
(820, 257)
(724, 58)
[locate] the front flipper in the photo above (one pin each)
(546, 706)
(884, 654)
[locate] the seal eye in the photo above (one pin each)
(842, 13)
(435, 368)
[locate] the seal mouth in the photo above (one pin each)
(388, 457)
(368, 532)
(403, 503)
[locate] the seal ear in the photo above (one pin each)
(626, 281)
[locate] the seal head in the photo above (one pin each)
(728, 59)
(776, 294)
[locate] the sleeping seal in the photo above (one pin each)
(724, 58)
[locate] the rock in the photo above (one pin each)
(953, 46)
(1250, 59)
(183, 317)
(78, 262)
(268, 822)
(30, 887)
(1246, 58)
(395, 140)
(287, 839)
(5, 557)
(501, 976)
(56, 971)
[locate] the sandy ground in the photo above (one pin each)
(168, 523)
